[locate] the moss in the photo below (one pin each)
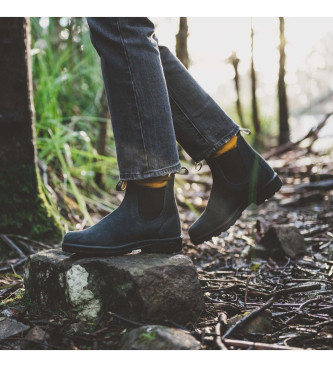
(31, 305)
(24, 208)
(147, 337)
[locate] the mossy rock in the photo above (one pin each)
(156, 337)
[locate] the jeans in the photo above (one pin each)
(153, 101)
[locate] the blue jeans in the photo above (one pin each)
(153, 101)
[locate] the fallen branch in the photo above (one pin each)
(313, 133)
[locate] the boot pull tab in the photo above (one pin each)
(121, 185)
(246, 131)
(198, 166)
(182, 171)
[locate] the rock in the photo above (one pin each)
(146, 287)
(10, 327)
(284, 239)
(158, 337)
(36, 334)
(261, 324)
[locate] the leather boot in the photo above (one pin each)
(240, 177)
(135, 224)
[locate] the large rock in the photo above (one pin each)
(146, 287)
(151, 337)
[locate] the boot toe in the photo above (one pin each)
(74, 238)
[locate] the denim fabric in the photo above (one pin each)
(153, 101)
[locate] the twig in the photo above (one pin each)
(248, 317)
(324, 323)
(218, 330)
(255, 345)
(30, 240)
(12, 245)
(18, 262)
(301, 288)
(246, 291)
(136, 323)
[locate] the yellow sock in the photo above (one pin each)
(231, 144)
(154, 182)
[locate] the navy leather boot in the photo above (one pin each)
(147, 219)
(240, 177)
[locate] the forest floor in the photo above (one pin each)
(289, 300)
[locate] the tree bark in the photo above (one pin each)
(181, 42)
(255, 114)
(282, 92)
(234, 60)
(24, 208)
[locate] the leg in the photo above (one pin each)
(201, 126)
(147, 218)
(240, 175)
(137, 96)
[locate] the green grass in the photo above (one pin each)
(67, 96)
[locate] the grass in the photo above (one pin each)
(68, 89)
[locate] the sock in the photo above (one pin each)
(151, 194)
(231, 144)
(154, 182)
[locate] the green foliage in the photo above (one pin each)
(68, 89)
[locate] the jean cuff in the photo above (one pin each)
(149, 174)
(220, 142)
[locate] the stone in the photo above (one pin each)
(143, 287)
(156, 337)
(261, 324)
(284, 239)
(36, 334)
(10, 327)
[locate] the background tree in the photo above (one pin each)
(255, 114)
(181, 42)
(234, 61)
(24, 208)
(282, 93)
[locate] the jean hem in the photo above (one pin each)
(211, 150)
(149, 174)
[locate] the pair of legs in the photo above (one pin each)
(153, 102)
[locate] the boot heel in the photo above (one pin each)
(167, 246)
(269, 190)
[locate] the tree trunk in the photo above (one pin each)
(255, 114)
(282, 93)
(234, 60)
(24, 209)
(181, 42)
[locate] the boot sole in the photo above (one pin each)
(166, 246)
(268, 191)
